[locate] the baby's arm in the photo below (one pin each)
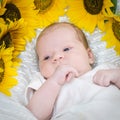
(43, 100)
(106, 77)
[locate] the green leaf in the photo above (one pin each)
(115, 5)
(1, 1)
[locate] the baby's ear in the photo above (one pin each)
(90, 56)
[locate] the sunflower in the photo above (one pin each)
(7, 70)
(112, 36)
(2, 7)
(17, 9)
(88, 14)
(13, 35)
(49, 11)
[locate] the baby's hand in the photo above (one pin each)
(64, 73)
(106, 77)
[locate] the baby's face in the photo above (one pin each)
(62, 47)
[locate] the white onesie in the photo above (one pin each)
(81, 99)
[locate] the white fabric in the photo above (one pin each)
(81, 99)
(34, 85)
(12, 110)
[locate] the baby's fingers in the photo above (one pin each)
(101, 80)
(69, 76)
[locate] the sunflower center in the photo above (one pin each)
(93, 6)
(116, 29)
(6, 39)
(43, 5)
(1, 67)
(11, 13)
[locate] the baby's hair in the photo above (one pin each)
(81, 36)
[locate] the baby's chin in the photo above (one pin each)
(80, 73)
(46, 76)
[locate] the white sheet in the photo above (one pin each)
(12, 110)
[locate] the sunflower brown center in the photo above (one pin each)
(6, 39)
(93, 6)
(11, 13)
(116, 29)
(43, 5)
(1, 72)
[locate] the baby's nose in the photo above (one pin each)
(58, 57)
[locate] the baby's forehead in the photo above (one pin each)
(54, 27)
(51, 29)
(59, 26)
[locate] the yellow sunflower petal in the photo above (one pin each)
(1, 70)
(2, 11)
(117, 18)
(3, 29)
(110, 36)
(106, 8)
(7, 80)
(2, 7)
(101, 22)
(85, 16)
(49, 11)
(14, 34)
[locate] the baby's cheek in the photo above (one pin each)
(47, 71)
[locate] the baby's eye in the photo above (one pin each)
(47, 57)
(66, 49)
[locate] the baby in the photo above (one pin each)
(64, 56)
